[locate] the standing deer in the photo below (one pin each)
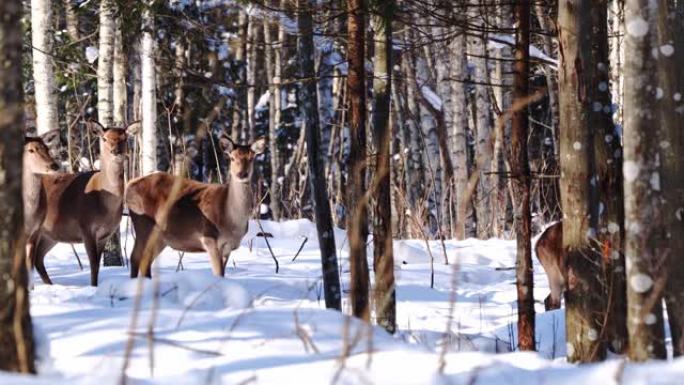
(36, 163)
(549, 250)
(86, 207)
(190, 216)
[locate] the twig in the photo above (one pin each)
(300, 248)
(77, 257)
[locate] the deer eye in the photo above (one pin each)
(31, 151)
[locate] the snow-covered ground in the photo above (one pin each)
(259, 327)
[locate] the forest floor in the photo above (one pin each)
(259, 327)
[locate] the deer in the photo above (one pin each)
(86, 207)
(36, 163)
(549, 250)
(191, 216)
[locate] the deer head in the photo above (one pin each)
(241, 157)
(37, 159)
(114, 140)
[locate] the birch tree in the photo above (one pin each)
(43, 70)
(482, 119)
(458, 70)
(149, 96)
(105, 63)
(16, 333)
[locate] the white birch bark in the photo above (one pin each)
(43, 66)
(477, 50)
(119, 92)
(149, 98)
(252, 35)
(105, 62)
(458, 71)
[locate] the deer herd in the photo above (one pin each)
(166, 210)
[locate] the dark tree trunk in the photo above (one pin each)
(608, 162)
(357, 221)
(324, 226)
(16, 334)
(584, 298)
(383, 257)
(646, 244)
(671, 81)
(520, 168)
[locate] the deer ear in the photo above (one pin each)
(96, 127)
(134, 128)
(50, 137)
(226, 143)
(259, 146)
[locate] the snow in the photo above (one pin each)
(497, 41)
(255, 326)
(91, 54)
(432, 97)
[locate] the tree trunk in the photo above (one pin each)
(383, 258)
(646, 245)
(477, 48)
(16, 333)
(459, 136)
(276, 140)
(520, 169)
(608, 194)
(357, 222)
(323, 217)
(112, 255)
(672, 83)
(105, 64)
(43, 70)
(415, 165)
(240, 101)
(584, 297)
(252, 37)
(149, 97)
(71, 19)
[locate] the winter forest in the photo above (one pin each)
(341, 191)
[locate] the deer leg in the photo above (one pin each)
(143, 227)
(40, 249)
(94, 250)
(211, 247)
(224, 262)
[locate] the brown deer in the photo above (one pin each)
(86, 207)
(190, 216)
(36, 163)
(549, 250)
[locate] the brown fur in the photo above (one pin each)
(549, 250)
(85, 207)
(192, 216)
(36, 163)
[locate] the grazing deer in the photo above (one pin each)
(36, 163)
(549, 250)
(86, 207)
(190, 216)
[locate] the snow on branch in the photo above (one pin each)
(498, 41)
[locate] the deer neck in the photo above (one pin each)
(112, 176)
(31, 190)
(238, 200)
